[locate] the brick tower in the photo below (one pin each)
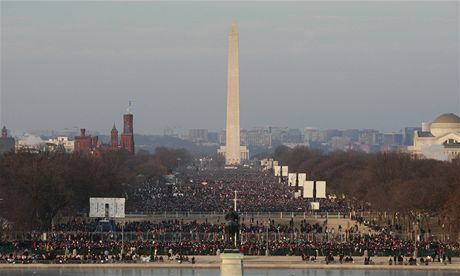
(127, 137)
(114, 137)
(83, 143)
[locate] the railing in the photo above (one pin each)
(183, 236)
(272, 215)
(279, 243)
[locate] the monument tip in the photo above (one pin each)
(233, 26)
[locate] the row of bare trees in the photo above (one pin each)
(390, 181)
(35, 188)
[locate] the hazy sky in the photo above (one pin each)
(382, 65)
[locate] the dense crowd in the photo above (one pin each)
(80, 241)
(92, 241)
(213, 190)
(165, 226)
(80, 248)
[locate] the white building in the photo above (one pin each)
(63, 141)
(438, 140)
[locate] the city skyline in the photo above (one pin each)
(315, 67)
(181, 131)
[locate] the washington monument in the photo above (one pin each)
(233, 151)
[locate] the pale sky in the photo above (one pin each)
(382, 65)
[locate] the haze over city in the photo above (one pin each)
(326, 65)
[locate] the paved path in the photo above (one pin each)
(270, 262)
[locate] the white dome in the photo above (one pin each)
(449, 118)
(444, 124)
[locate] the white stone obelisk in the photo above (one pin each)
(232, 147)
(233, 151)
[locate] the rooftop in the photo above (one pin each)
(447, 118)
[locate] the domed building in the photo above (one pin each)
(438, 140)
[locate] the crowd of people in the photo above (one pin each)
(213, 190)
(193, 226)
(93, 241)
(81, 248)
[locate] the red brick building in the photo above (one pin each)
(85, 143)
(114, 138)
(127, 137)
(90, 144)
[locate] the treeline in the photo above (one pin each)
(35, 188)
(390, 181)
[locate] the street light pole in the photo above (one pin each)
(267, 250)
(234, 208)
(122, 238)
(415, 238)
